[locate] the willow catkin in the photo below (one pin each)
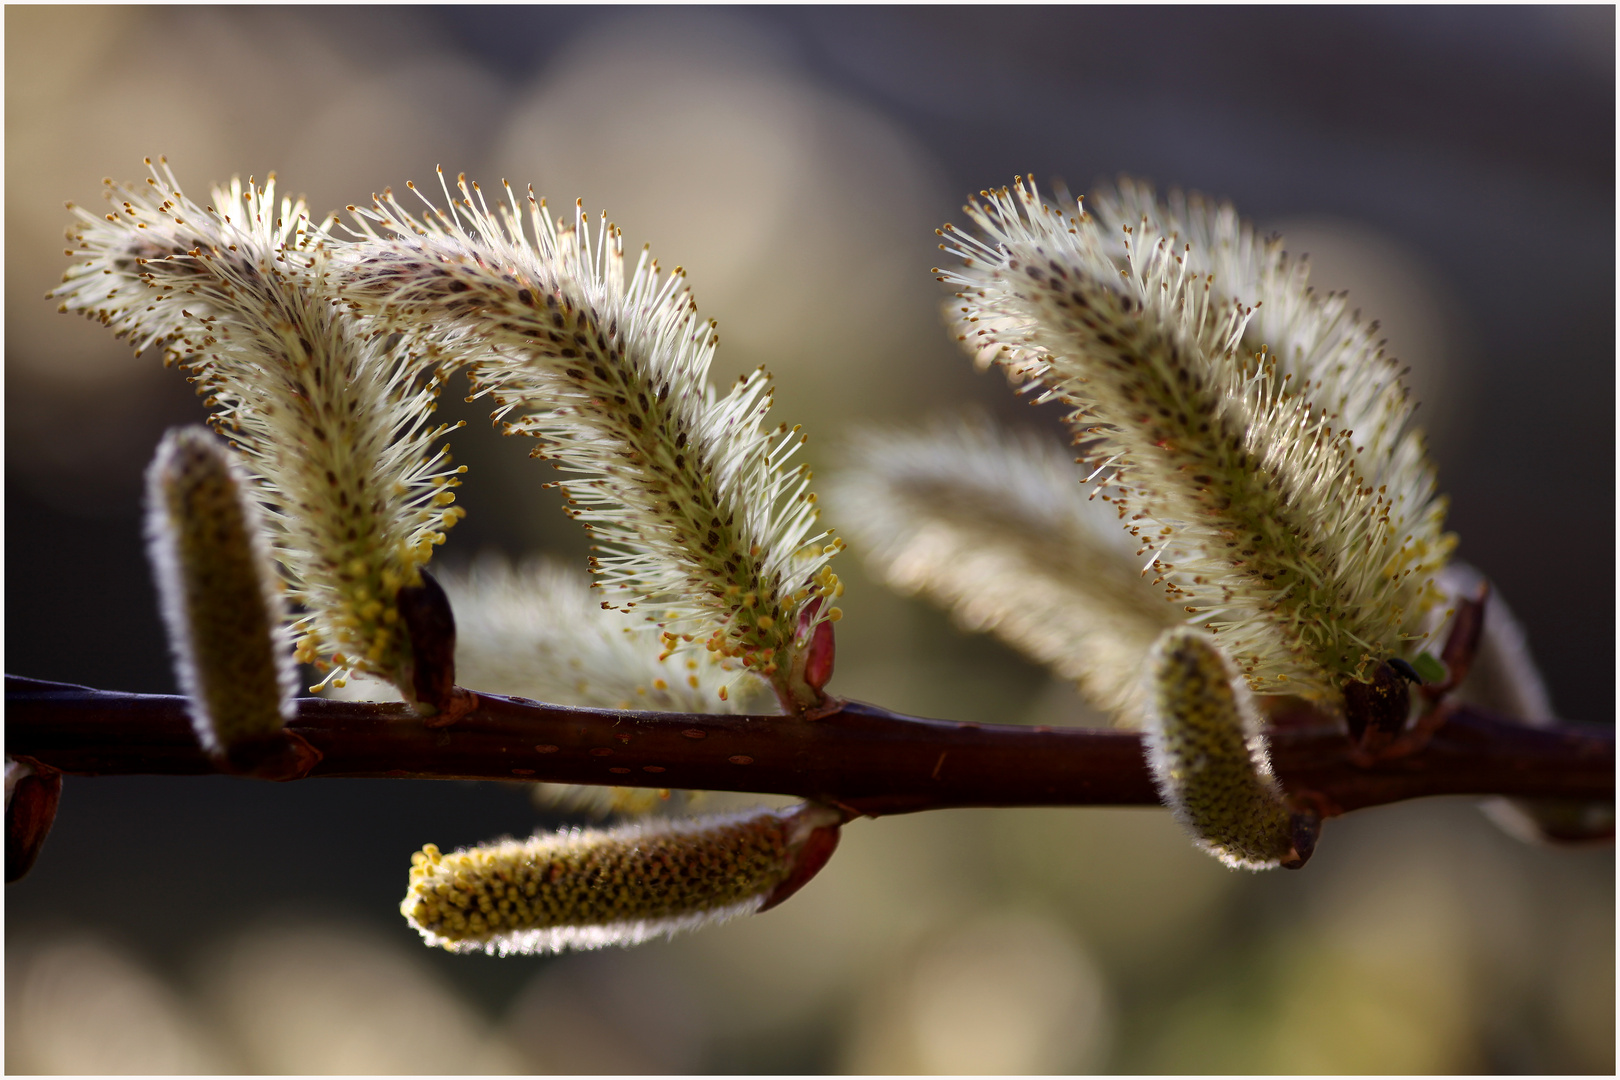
(588, 888)
(332, 420)
(1210, 760)
(998, 529)
(1285, 499)
(220, 600)
(697, 519)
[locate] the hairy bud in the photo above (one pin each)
(225, 614)
(588, 888)
(1210, 759)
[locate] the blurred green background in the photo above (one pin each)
(1453, 168)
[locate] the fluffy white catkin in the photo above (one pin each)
(1307, 546)
(998, 529)
(332, 419)
(540, 631)
(698, 521)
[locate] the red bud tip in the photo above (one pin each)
(818, 661)
(818, 847)
(30, 812)
(818, 665)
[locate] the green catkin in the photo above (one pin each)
(1209, 756)
(224, 612)
(588, 888)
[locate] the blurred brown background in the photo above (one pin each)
(1454, 168)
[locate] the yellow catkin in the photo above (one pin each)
(1209, 756)
(587, 888)
(225, 616)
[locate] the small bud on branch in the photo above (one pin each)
(222, 606)
(1209, 755)
(33, 792)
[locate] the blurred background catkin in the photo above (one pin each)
(1453, 168)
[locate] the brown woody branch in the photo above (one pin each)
(863, 758)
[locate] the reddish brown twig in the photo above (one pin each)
(862, 758)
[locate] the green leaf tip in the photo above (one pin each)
(1428, 668)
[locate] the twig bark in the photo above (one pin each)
(862, 758)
